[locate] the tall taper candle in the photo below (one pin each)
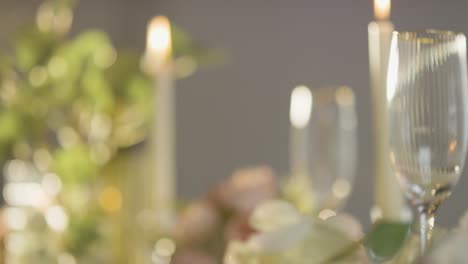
(389, 202)
(300, 112)
(162, 140)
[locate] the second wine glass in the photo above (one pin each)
(323, 151)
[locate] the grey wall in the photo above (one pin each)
(237, 115)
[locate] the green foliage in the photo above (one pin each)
(9, 125)
(75, 164)
(80, 100)
(386, 239)
(82, 232)
(31, 47)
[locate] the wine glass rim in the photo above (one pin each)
(428, 35)
(342, 95)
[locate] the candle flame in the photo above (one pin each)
(301, 106)
(382, 9)
(159, 36)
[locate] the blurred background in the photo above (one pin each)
(238, 114)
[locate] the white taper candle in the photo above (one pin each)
(389, 202)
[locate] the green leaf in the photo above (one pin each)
(10, 126)
(139, 92)
(31, 46)
(75, 164)
(386, 239)
(97, 89)
(122, 72)
(81, 233)
(90, 42)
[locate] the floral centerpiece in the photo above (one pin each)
(245, 220)
(68, 107)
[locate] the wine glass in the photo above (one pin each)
(427, 97)
(324, 151)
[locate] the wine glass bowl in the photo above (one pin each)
(333, 145)
(427, 108)
(324, 152)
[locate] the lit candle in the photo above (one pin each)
(389, 202)
(159, 62)
(300, 112)
(158, 44)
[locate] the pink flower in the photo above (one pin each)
(246, 189)
(192, 257)
(238, 229)
(197, 222)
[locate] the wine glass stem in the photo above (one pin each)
(426, 226)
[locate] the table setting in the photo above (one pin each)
(89, 153)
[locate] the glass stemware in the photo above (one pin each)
(323, 180)
(427, 97)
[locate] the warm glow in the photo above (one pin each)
(163, 251)
(301, 106)
(165, 247)
(25, 194)
(344, 96)
(327, 213)
(382, 9)
(111, 199)
(56, 218)
(452, 146)
(341, 188)
(51, 184)
(461, 45)
(159, 37)
(15, 218)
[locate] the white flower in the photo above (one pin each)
(274, 214)
(286, 236)
(240, 253)
(283, 238)
(348, 225)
